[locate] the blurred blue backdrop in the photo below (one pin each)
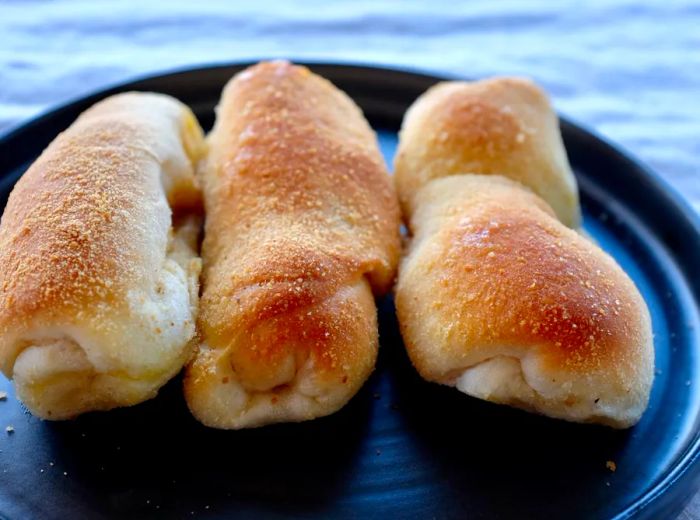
(629, 69)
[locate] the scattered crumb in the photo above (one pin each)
(50, 463)
(379, 452)
(41, 471)
(607, 484)
(3, 396)
(65, 473)
(10, 429)
(206, 507)
(611, 465)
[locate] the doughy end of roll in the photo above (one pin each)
(502, 126)
(98, 243)
(64, 370)
(499, 299)
(55, 380)
(296, 365)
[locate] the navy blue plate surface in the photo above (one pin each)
(402, 447)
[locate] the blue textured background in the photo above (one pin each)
(628, 69)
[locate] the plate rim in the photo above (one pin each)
(687, 466)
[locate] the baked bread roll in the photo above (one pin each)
(502, 126)
(499, 299)
(302, 228)
(99, 278)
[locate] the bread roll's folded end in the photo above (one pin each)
(295, 365)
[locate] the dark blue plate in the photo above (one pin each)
(402, 447)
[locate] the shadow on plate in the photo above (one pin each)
(155, 458)
(495, 458)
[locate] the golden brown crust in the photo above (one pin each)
(60, 241)
(89, 222)
(502, 126)
(523, 279)
(73, 230)
(491, 273)
(299, 206)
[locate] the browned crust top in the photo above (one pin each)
(298, 205)
(508, 274)
(80, 226)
